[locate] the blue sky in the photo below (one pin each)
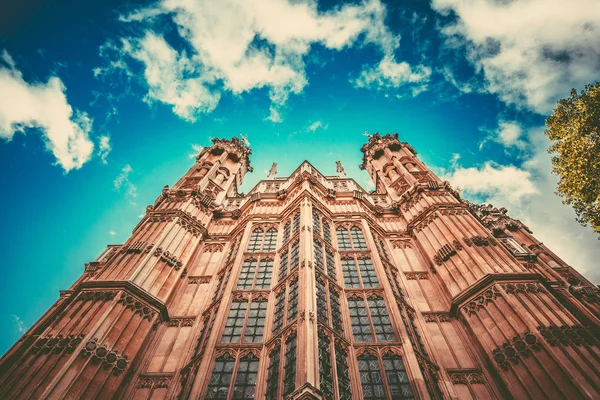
(102, 103)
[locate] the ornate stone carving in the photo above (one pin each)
(566, 335)
(169, 258)
(411, 276)
(524, 287)
(466, 377)
(56, 344)
(182, 322)
(512, 351)
(137, 306)
(96, 295)
(153, 382)
(444, 253)
(588, 294)
(437, 317)
(101, 353)
(479, 302)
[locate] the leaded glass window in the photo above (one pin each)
(318, 253)
(255, 240)
(255, 325)
(325, 368)
(343, 376)
(361, 327)
(283, 265)
(289, 373)
(350, 273)
(336, 310)
(263, 274)
(286, 231)
(218, 386)
(279, 311)
(380, 319)
(322, 311)
(263, 241)
(370, 377)
(326, 231)
(270, 240)
(343, 239)
(296, 227)
(295, 255)
(316, 223)
(293, 301)
(247, 275)
(367, 272)
(358, 239)
(255, 275)
(245, 323)
(352, 278)
(372, 323)
(235, 322)
(273, 375)
(329, 258)
(396, 376)
(245, 381)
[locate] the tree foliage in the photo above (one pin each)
(574, 128)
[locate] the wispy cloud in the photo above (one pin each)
(112, 233)
(20, 324)
(122, 182)
(44, 106)
(196, 149)
(317, 125)
(104, 148)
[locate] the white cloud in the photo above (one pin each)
(391, 74)
(43, 106)
(241, 45)
(508, 134)
(122, 182)
(104, 148)
(528, 194)
(317, 125)
(112, 233)
(196, 149)
(20, 324)
(531, 52)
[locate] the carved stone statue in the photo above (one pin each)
(273, 171)
(340, 169)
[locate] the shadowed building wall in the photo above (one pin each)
(309, 287)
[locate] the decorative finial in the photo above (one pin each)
(273, 171)
(340, 169)
(367, 134)
(245, 139)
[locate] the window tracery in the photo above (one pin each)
(261, 240)
(383, 377)
(289, 258)
(352, 239)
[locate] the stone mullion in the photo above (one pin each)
(200, 380)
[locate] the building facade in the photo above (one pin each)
(309, 287)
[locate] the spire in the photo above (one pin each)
(273, 171)
(340, 169)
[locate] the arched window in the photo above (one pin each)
(245, 381)
(289, 258)
(289, 372)
(343, 239)
(316, 222)
(351, 240)
(325, 366)
(263, 241)
(273, 375)
(343, 376)
(286, 231)
(358, 239)
(359, 272)
(256, 274)
(370, 323)
(384, 377)
(245, 321)
(222, 378)
(296, 223)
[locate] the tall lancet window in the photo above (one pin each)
(263, 241)
(352, 239)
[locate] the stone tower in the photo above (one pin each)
(309, 287)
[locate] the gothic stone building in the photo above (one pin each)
(309, 287)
